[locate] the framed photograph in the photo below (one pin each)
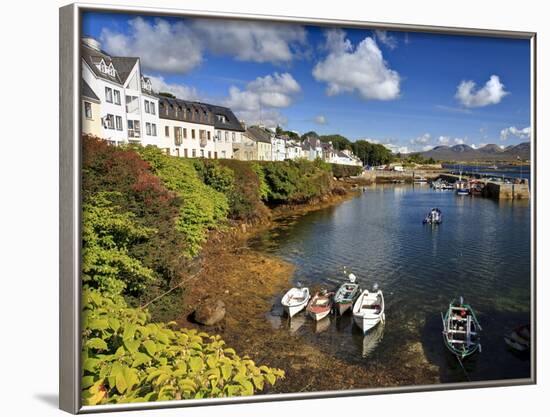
(260, 208)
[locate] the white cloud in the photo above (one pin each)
(491, 93)
(179, 47)
(260, 100)
(385, 38)
(179, 90)
(250, 41)
(320, 120)
(524, 133)
(162, 46)
(364, 70)
(421, 140)
(449, 141)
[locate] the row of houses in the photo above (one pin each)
(120, 106)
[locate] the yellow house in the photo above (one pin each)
(91, 116)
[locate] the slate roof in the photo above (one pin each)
(232, 123)
(87, 92)
(92, 57)
(124, 66)
(258, 134)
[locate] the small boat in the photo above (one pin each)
(519, 339)
(462, 191)
(368, 310)
(434, 216)
(461, 329)
(320, 305)
(420, 180)
(346, 295)
(295, 300)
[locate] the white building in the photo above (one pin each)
(197, 130)
(278, 148)
(311, 148)
(293, 150)
(346, 157)
(128, 110)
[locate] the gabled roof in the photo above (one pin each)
(92, 57)
(124, 66)
(87, 92)
(259, 134)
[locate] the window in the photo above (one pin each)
(117, 96)
(109, 121)
(209, 154)
(177, 135)
(152, 107)
(226, 136)
(184, 133)
(192, 133)
(219, 136)
(176, 110)
(167, 131)
(108, 95)
(202, 153)
(185, 152)
(202, 134)
(133, 129)
(88, 110)
(132, 104)
(194, 153)
(146, 105)
(118, 121)
(208, 134)
(153, 129)
(233, 136)
(221, 118)
(148, 129)
(215, 155)
(223, 154)
(166, 110)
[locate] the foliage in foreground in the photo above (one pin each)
(128, 358)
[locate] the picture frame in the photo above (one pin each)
(70, 202)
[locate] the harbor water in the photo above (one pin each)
(481, 251)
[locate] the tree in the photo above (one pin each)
(166, 94)
(339, 142)
(372, 153)
(310, 133)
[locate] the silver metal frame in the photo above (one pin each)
(70, 206)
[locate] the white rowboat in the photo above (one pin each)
(368, 310)
(295, 300)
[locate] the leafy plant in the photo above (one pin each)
(128, 358)
(202, 207)
(107, 235)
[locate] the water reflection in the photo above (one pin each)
(373, 338)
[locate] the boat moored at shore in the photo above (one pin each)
(368, 310)
(320, 305)
(346, 295)
(295, 300)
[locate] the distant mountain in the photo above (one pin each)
(489, 152)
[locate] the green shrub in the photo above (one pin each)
(343, 171)
(128, 358)
(107, 236)
(218, 177)
(202, 207)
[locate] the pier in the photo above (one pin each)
(515, 189)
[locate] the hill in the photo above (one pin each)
(489, 153)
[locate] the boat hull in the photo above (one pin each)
(366, 324)
(291, 311)
(318, 316)
(342, 308)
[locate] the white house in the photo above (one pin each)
(293, 149)
(311, 148)
(129, 107)
(278, 148)
(346, 157)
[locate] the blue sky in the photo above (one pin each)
(411, 91)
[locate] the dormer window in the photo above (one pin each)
(221, 118)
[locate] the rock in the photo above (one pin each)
(210, 312)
